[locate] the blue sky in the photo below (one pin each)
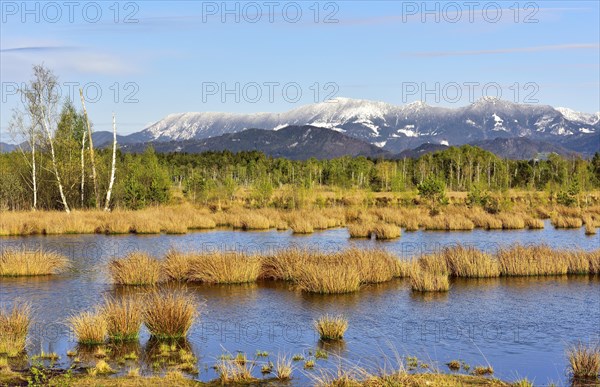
(152, 58)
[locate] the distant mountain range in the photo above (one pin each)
(505, 128)
(292, 142)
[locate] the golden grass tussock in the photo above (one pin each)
(470, 262)
(14, 325)
(359, 230)
(136, 268)
(482, 219)
(411, 224)
(23, 262)
(233, 372)
(566, 222)
(89, 328)
(301, 226)
(224, 268)
(338, 272)
(541, 260)
(512, 221)
(328, 277)
(426, 281)
(177, 265)
(534, 223)
(590, 225)
(386, 231)
(169, 314)
(283, 368)
(373, 265)
(403, 267)
(330, 327)
(519, 260)
(123, 318)
(433, 263)
(584, 361)
(283, 264)
(594, 260)
(252, 221)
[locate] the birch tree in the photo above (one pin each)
(112, 169)
(44, 90)
(91, 146)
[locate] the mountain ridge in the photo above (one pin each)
(394, 127)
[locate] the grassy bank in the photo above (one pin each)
(367, 214)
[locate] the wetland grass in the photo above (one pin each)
(169, 314)
(519, 260)
(359, 230)
(331, 278)
(590, 225)
(90, 328)
(301, 226)
(386, 231)
(469, 262)
(137, 268)
(560, 221)
(331, 328)
(224, 268)
(584, 361)
(123, 318)
(14, 325)
(283, 368)
(426, 281)
(23, 262)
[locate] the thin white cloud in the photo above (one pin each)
(67, 59)
(512, 50)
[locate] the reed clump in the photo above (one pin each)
(14, 325)
(252, 221)
(373, 265)
(223, 268)
(234, 372)
(123, 318)
(283, 368)
(283, 265)
(330, 327)
(534, 223)
(23, 262)
(177, 265)
(301, 226)
(329, 278)
(519, 260)
(359, 230)
(426, 281)
(386, 231)
(470, 262)
(137, 268)
(590, 226)
(90, 328)
(512, 221)
(584, 361)
(560, 221)
(169, 314)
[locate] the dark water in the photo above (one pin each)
(521, 326)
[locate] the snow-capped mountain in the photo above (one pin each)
(394, 128)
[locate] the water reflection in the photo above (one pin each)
(519, 325)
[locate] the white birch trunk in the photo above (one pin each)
(82, 167)
(55, 167)
(112, 170)
(33, 175)
(93, 162)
